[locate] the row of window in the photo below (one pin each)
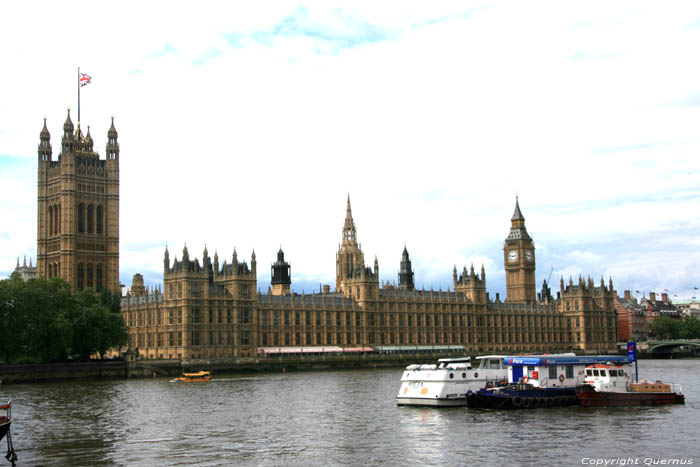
(196, 290)
(90, 275)
(230, 338)
(91, 219)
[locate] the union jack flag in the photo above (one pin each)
(84, 79)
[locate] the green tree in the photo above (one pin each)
(665, 327)
(690, 328)
(96, 328)
(112, 300)
(41, 321)
(11, 317)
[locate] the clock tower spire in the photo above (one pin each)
(519, 260)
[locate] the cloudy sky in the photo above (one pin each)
(246, 125)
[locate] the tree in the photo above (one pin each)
(665, 327)
(96, 328)
(41, 321)
(112, 300)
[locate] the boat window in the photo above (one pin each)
(595, 372)
(589, 372)
(603, 373)
(552, 372)
(494, 364)
(569, 371)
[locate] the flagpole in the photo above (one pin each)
(78, 94)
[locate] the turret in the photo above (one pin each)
(281, 273)
(185, 256)
(88, 142)
(112, 144)
(68, 140)
(406, 272)
(44, 149)
(166, 260)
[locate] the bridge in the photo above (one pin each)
(667, 346)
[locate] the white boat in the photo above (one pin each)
(446, 383)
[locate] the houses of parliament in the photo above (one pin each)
(212, 308)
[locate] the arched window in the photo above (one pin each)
(90, 219)
(50, 220)
(58, 218)
(99, 221)
(81, 218)
(98, 276)
(89, 275)
(80, 273)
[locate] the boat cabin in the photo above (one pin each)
(609, 378)
(550, 371)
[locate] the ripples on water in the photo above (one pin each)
(330, 418)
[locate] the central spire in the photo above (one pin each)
(349, 231)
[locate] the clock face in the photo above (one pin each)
(528, 255)
(512, 256)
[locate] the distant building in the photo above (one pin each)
(26, 272)
(655, 308)
(631, 318)
(691, 308)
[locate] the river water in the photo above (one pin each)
(333, 418)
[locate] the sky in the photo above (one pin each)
(246, 125)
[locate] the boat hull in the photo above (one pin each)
(4, 428)
(589, 397)
(522, 399)
(427, 402)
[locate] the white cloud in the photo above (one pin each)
(247, 126)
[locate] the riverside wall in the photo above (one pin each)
(148, 368)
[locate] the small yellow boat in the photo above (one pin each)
(199, 377)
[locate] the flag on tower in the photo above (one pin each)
(84, 79)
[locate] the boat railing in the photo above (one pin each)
(7, 407)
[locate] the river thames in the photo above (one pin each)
(334, 418)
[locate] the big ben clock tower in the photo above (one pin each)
(519, 260)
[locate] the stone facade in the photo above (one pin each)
(78, 210)
(212, 310)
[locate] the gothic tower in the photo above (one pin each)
(78, 210)
(281, 282)
(352, 278)
(406, 273)
(519, 260)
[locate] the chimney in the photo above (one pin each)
(652, 296)
(628, 295)
(664, 297)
